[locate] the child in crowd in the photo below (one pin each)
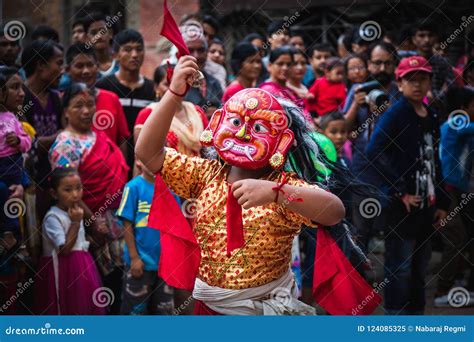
(67, 279)
(407, 135)
(14, 257)
(144, 292)
(13, 142)
(334, 126)
(297, 72)
(329, 91)
(318, 54)
(457, 153)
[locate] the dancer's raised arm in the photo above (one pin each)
(150, 144)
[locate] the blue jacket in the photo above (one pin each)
(394, 150)
(457, 154)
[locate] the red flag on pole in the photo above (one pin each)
(171, 31)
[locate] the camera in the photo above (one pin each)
(375, 96)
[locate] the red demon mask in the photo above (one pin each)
(250, 129)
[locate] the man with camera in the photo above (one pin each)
(365, 104)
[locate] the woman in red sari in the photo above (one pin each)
(103, 171)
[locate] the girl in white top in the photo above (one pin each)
(68, 282)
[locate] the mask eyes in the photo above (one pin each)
(235, 121)
(259, 128)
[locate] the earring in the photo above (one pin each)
(206, 137)
(276, 161)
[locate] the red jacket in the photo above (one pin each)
(328, 96)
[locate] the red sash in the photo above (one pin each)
(337, 286)
(180, 253)
(103, 174)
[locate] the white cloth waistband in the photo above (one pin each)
(278, 297)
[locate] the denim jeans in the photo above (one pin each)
(406, 263)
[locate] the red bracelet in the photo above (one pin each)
(175, 93)
(279, 187)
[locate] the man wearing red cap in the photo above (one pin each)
(408, 134)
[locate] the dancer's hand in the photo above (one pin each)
(253, 192)
(183, 72)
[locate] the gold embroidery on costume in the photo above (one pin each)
(268, 230)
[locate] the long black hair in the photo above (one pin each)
(307, 159)
(59, 173)
(5, 74)
(72, 91)
(280, 51)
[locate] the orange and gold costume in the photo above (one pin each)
(268, 230)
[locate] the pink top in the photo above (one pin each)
(280, 91)
(10, 124)
(289, 94)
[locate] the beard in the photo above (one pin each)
(383, 77)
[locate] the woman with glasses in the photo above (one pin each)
(356, 70)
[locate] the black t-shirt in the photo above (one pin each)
(132, 100)
(46, 122)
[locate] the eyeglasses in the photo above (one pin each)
(385, 63)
